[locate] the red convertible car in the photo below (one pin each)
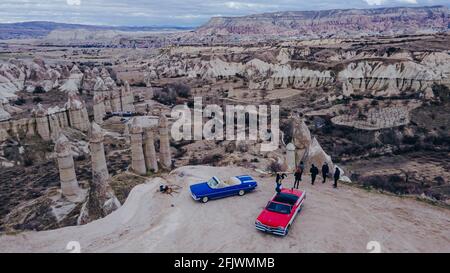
(280, 212)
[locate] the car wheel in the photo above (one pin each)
(241, 192)
(287, 230)
(205, 199)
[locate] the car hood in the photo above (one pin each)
(200, 189)
(273, 219)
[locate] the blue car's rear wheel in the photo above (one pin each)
(241, 192)
(205, 199)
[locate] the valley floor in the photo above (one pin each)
(342, 220)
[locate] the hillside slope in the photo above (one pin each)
(40, 29)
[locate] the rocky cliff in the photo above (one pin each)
(333, 23)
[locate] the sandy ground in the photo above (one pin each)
(342, 220)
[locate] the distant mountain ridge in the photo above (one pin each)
(333, 23)
(40, 29)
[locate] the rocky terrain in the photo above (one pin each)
(286, 26)
(153, 222)
(85, 117)
(333, 23)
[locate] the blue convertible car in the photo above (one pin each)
(216, 188)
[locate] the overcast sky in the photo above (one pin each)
(170, 12)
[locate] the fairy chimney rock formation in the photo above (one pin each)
(317, 156)
(69, 184)
(127, 98)
(42, 124)
(99, 108)
(99, 166)
(137, 153)
(116, 105)
(151, 160)
(164, 149)
(347, 88)
(78, 116)
(301, 137)
(290, 156)
(101, 200)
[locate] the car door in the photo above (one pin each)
(296, 207)
(229, 191)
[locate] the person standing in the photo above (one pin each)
(325, 171)
(278, 180)
(314, 172)
(337, 175)
(298, 175)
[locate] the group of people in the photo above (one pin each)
(314, 172)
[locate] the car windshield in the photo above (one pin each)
(279, 208)
(286, 198)
(213, 183)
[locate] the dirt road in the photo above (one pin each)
(342, 220)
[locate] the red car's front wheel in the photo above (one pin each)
(287, 230)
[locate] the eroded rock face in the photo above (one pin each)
(300, 133)
(379, 73)
(3, 114)
(73, 82)
(40, 75)
(48, 211)
(42, 125)
(317, 156)
(315, 24)
(36, 75)
(307, 148)
(77, 112)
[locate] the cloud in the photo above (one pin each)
(382, 2)
(244, 5)
(170, 12)
(74, 2)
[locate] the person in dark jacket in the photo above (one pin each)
(298, 175)
(314, 172)
(278, 180)
(325, 171)
(337, 175)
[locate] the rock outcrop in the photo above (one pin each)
(73, 83)
(164, 143)
(151, 160)
(307, 148)
(37, 76)
(69, 184)
(3, 114)
(77, 111)
(137, 152)
(42, 124)
(101, 200)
